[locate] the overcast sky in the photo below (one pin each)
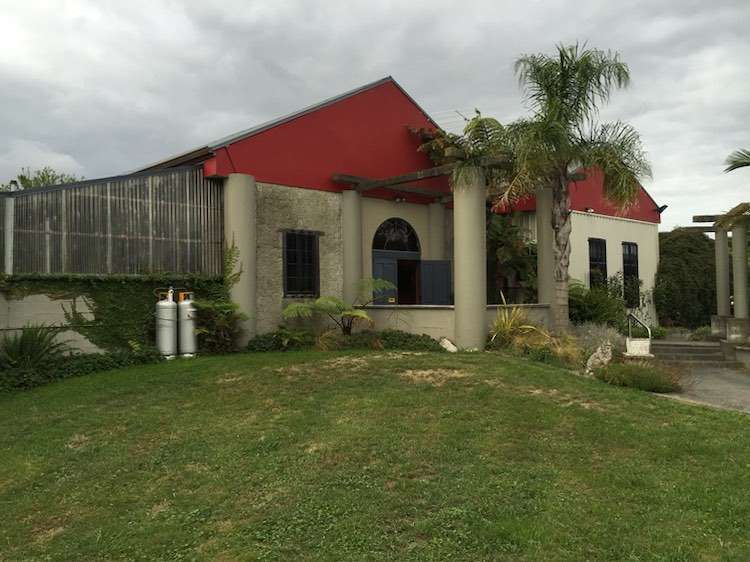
(99, 88)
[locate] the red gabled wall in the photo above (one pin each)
(589, 194)
(363, 135)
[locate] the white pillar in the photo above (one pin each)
(545, 254)
(739, 265)
(721, 249)
(9, 218)
(351, 233)
(436, 231)
(470, 257)
(240, 230)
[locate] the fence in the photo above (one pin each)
(169, 221)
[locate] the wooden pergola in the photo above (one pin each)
(469, 238)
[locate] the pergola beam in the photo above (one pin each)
(365, 184)
(699, 228)
(706, 218)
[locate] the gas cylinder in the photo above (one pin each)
(166, 324)
(186, 323)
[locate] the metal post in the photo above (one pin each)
(10, 206)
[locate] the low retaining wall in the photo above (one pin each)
(40, 309)
(439, 321)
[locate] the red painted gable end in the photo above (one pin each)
(365, 134)
(589, 194)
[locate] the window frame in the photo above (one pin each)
(625, 276)
(315, 293)
(603, 282)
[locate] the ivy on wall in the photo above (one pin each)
(120, 307)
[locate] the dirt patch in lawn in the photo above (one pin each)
(78, 441)
(434, 377)
(566, 400)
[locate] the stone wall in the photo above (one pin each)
(281, 208)
(40, 309)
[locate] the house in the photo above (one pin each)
(606, 241)
(314, 202)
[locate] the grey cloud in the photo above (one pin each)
(103, 87)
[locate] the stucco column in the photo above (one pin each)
(739, 265)
(351, 233)
(545, 255)
(240, 230)
(721, 248)
(470, 257)
(436, 232)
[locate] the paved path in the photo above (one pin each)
(716, 386)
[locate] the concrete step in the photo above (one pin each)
(665, 356)
(673, 348)
(704, 364)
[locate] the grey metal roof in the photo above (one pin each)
(208, 149)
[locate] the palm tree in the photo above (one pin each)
(738, 159)
(563, 138)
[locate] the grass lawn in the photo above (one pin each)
(372, 456)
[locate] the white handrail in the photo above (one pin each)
(641, 322)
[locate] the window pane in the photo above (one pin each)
(301, 264)
(597, 262)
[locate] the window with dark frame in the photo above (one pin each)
(597, 262)
(630, 277)
(301, 264)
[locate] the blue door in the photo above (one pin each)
(436, 281)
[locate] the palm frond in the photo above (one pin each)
(358, 315)
(738, 159)
(571, 85)
(298, 310)
(367, 287)
(616, 149)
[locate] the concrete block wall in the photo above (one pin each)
(281, 208)
(40, 309)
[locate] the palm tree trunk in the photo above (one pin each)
(561, 228)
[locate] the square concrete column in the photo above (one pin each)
(723, 308)
(351, 234)
(436, 234)
(470, 259)
(545, 253)
(739, 266)
(240, 230)
(721, 248)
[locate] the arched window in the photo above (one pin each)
(396, 235)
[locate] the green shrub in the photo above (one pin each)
(75, 365)
(509, 322)
(218, 326)
(638, 331)
(600, 305)
(399, 340)
(395, 340)
(283, 339)
(31, 349)
(702, 334)
(592, 336)
(652, 377)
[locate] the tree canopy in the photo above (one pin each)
(685, 290)
(43, 177)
